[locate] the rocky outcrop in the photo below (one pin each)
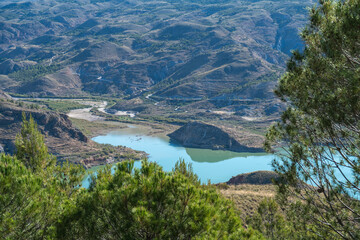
(51, 124)
(64, 140)
(258, 178)
(201, 135)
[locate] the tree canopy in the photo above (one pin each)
(320, 130)
(31, 148)
(148, 203)
(33, 189)
(42, 200)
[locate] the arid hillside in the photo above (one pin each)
(211, 52)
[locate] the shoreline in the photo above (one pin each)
(95, 125)
(96, 128)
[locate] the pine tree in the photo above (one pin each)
(34, 191)
(149, 203)
(320, 130)
(31, 148)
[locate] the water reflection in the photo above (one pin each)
(211, 156)
(215, 165)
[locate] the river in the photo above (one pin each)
(216, 166)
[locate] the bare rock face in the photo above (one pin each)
(201, 135)
(51, 124)
(258, 178)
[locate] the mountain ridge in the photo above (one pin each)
(183, 49)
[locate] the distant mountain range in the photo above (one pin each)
(172, 49)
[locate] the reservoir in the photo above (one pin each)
(214, 165)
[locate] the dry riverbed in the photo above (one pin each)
(94, 125)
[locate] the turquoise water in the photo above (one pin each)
(216, 166)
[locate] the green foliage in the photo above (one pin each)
(321, 127)
(24, 213)
(149, 203)
(62, 106)
(30, 146)
(33, 190)
(263, 79)
(165, 83)
(41, 200)
(269, 221)
(30, 202)
(34, 72)
(288, 222)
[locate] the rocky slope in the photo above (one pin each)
(63, 139)
(257, 178)
(201, 135)
(51, 124)
(218, 51)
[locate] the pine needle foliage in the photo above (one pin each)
(34, 191)
(321, 127)
(31, 148)
(148, 203)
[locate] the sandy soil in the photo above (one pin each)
(84, 114)
(250, 118)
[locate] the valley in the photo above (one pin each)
(199, 55)
(152, 63)
(166, 80)
(179, 119)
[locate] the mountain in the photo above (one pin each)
(189, 51)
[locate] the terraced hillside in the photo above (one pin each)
(199, 50)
